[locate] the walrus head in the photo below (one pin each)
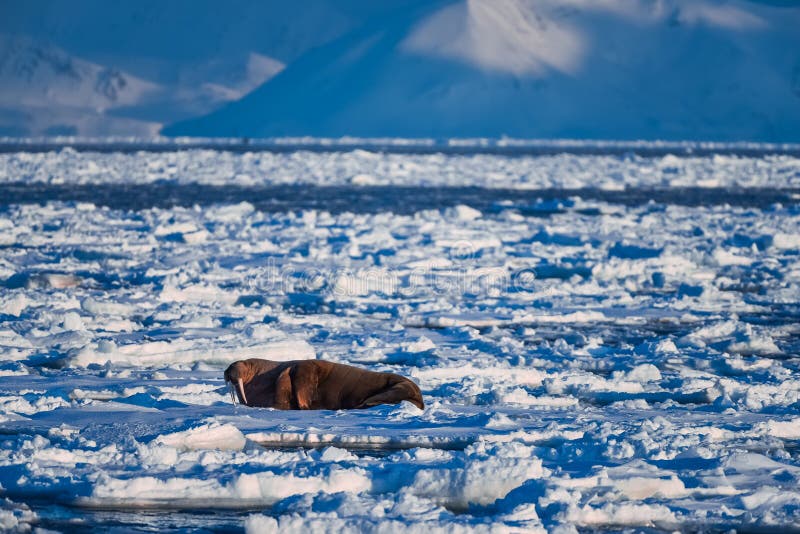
(237, 375)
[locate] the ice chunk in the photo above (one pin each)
(209, 436)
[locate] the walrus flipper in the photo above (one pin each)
(283, 391)
(305, 380)
(405, 390)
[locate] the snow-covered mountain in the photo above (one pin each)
(689, 69)
(33, 72)
(46, 90)
(191, 55)
(622, 69)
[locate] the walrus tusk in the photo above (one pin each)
(241, 391)
(233, 395)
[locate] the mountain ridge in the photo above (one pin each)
(725, 70)
(665, 69)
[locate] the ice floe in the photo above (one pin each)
(587, 363)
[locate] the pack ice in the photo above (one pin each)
(588, 361)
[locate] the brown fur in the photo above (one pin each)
(318, 385)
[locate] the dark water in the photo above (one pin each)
(78, 520)
(412, 146)
(376, 199)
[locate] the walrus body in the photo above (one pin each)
(317, 385)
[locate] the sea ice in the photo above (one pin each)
(600, 363)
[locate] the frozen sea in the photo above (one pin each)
(605, 340)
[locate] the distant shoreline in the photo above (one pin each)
(501, 147)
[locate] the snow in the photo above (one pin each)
(642, 374)
(53, 92)
(505, 36)
(585, 69)
(81, 70)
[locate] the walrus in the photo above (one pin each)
(316, 385)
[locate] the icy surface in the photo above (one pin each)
(372, 168)
(586, 363)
